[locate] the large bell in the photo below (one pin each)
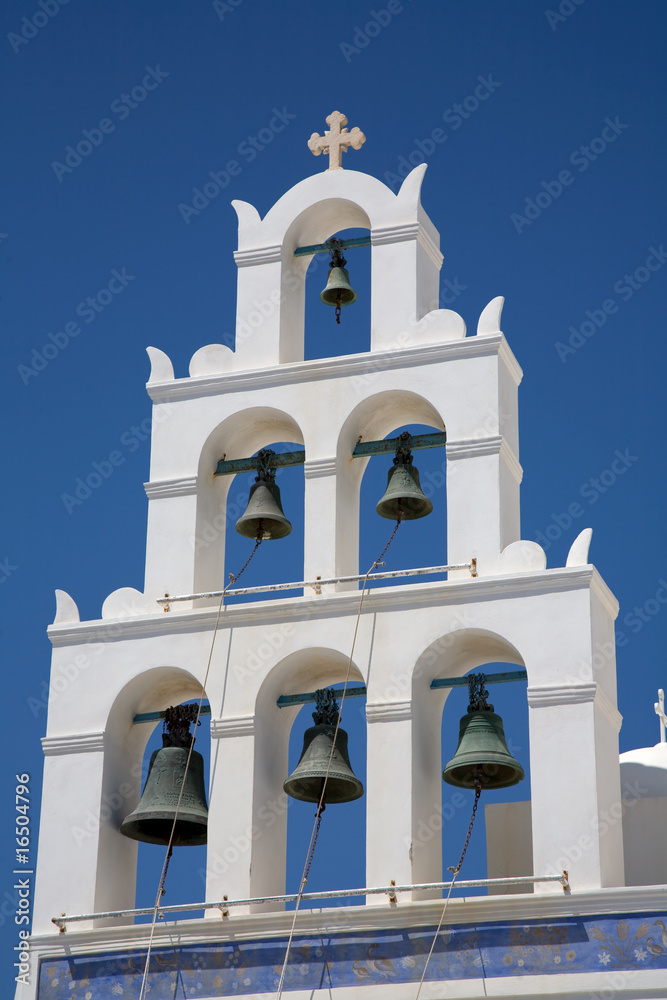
(153, 819)
(403, 499)
(338, 291)
(482, 754)
(306, 780)
(264, 513)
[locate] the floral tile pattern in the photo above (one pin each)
(489, 950)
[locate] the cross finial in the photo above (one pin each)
(659, 707)
(336, 141)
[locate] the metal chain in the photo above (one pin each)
(478, 792)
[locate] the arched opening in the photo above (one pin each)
(361, 532)
(278, 560)
(186, 874)
(128, 877)
(283, 825)
(418, 543)
(442, 812)
(222, 499)
(324, 338)
(501, 836)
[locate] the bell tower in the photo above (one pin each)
(178, 641)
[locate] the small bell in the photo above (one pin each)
(403, 499)
(307, 779)
(338, 291)
(263, 517)
(482, 751)
(152, 820)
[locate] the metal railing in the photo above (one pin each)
(388, 890)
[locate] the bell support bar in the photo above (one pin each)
(501, 678)
(286, 700)
(359, 241)
(362, 449)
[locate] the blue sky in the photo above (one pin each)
(543, 132)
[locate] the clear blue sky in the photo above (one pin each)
(545, 144)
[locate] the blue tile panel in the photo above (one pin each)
(468, 951)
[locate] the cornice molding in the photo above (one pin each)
(550, 695)
(395, 711)
(404, 232)
(54, 746)
(319, 467)
(161, 488)
(240, 725)
(350, 365)
(334, 605)
(479, 447)
(258, 255)
(351, 919)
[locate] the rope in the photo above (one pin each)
(455, 871)
(161, 890)
(321, 805)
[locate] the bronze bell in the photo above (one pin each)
(307, 779)
(152, 820)
(264, 513)
(482, 753)
(404, 499)
(264, 517)
(338, 290)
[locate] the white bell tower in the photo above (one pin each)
(142, 656)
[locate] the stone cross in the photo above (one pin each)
(336, 141)
(659, 707)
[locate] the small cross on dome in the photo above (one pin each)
(336, 141)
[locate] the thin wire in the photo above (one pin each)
(455, 871)
(321, 805)
(161, 890)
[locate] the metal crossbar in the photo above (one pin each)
(387, 890)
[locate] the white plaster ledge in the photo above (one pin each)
(319, 467)
(161, 488)
(54, 746)
(344, 603)
(395, 711)
(258, 255)
(350, 365)
(241, 725)
(383, 235)
(546, 695)
(494, 444)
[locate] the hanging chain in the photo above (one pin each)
(233, 578)
(455, 871)
(478, 792)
